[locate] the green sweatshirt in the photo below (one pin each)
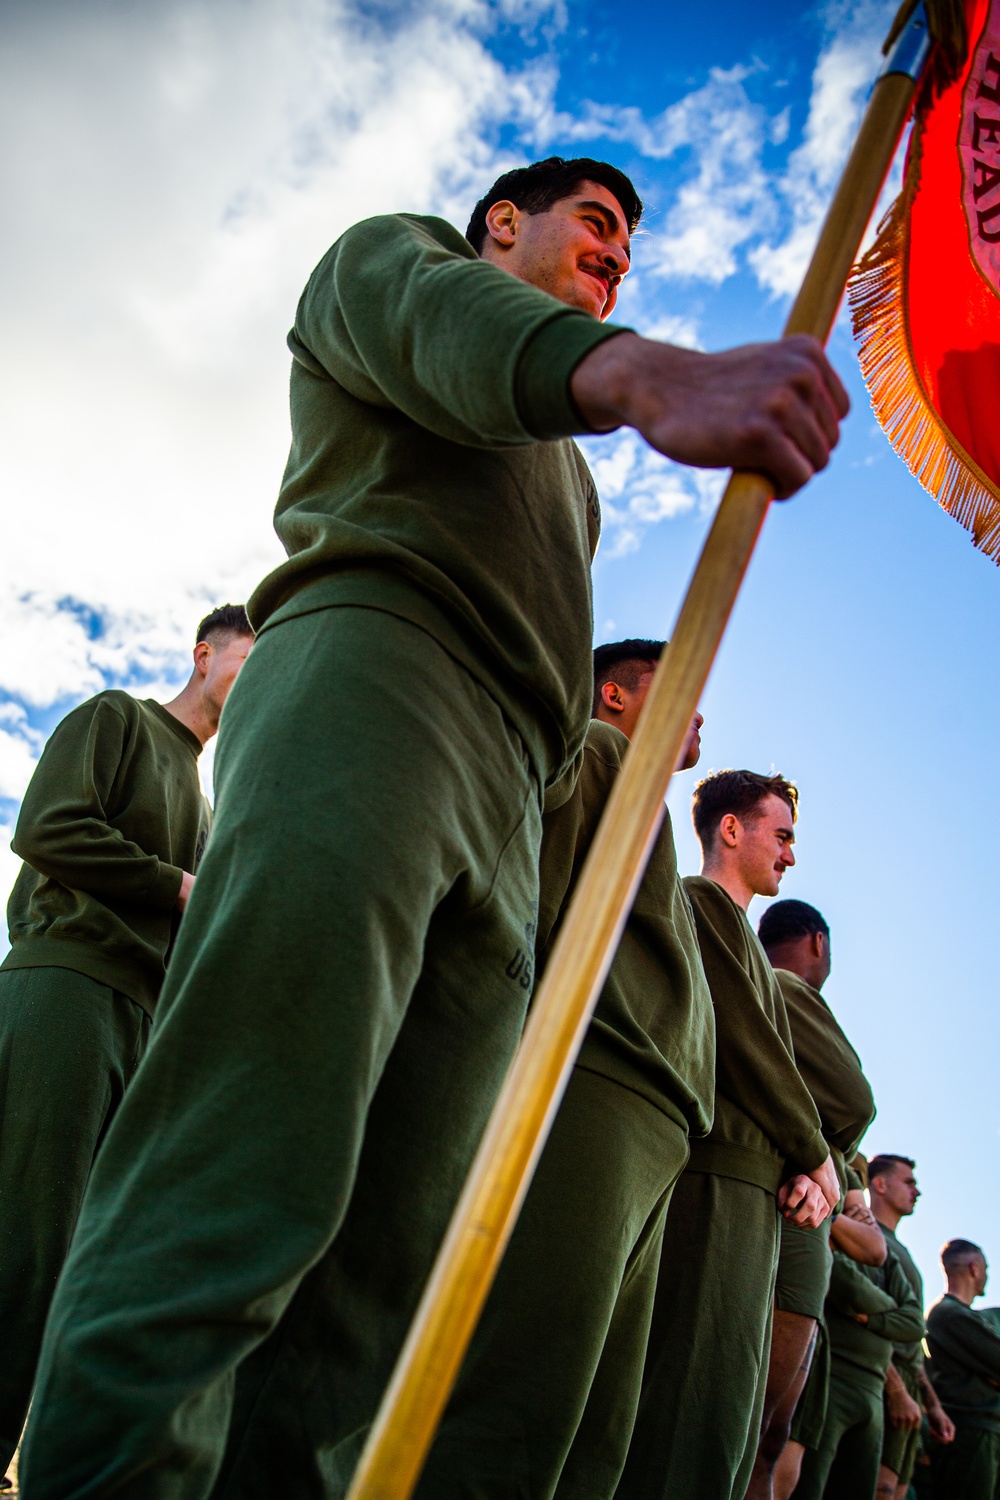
(113, 816)
(885, 1295)
(653, 1030)
(830, 1069)
(764, 1116)
(907, 1356)
(964, 1364)
(431, 472)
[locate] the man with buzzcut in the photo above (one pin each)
(347, 995)
(546, 1398)
(703, 1385)
(111, 831)
(796, 938)
(892, 1187)
(867, 1308)
(964, 1368)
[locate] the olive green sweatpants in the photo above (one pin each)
(846, 1463)
(968, 1468)
(900, 1445)
(68, 1049)
(551, 1382)
(349, 983)
(703, 1385)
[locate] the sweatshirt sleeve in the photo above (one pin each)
(753, 1066)
(403, 314)
(568, 832)
(969, 1341)
(852, 1292)
(63, 829)
(904, 1321)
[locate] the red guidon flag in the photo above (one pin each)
(926, 297)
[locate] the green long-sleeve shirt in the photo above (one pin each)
(653, 1029)
(884, 1294)
(964, 1364)
(113, 816)
(432, 473)
(907, 1355)
(830, 1068)
(764, 1115)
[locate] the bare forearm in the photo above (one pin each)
(774, 408)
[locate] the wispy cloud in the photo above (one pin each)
(841, 81)
(638, 488)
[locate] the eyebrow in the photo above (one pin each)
(610, 219)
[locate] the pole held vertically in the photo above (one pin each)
(487, 1210)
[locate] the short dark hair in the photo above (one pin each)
(737, 792)
(623, 662)
(537, 188)
(956, 1251)
(790, 919)
(886, 1162)
(224, 623)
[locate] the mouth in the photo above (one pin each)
(601, 277)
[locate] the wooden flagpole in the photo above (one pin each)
(487, 1210)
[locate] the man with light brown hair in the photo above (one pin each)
(703, 1384)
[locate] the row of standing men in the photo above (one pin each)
(405, 790)
(678, 1312)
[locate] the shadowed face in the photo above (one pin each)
(577, 250)
(622, 706)
(219, 662)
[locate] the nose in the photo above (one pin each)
(699, 722)
(788, 857)
(615, 260)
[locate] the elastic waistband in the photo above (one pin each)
(394, 594)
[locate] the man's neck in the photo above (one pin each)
(886, 1216)
(732, 882)
(962, 1293)
(194, 713)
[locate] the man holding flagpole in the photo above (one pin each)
(345, 995)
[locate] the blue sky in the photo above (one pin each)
(177, 172)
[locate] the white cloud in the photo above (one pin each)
(841, 79)
(172, 173)
(638, 488)
(19, 748)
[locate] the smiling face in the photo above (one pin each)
(762, 844)
(577, 250)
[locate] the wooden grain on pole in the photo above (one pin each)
(486, 1212)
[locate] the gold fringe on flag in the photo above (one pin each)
(877, 295)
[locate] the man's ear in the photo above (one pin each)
(817, 940)
(202, 657)
(613, 698)
(501, 221)
(729, 829)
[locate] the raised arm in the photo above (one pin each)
(770, 407)
(403, 314)
(63, 829)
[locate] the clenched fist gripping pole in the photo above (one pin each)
(487, 1210)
